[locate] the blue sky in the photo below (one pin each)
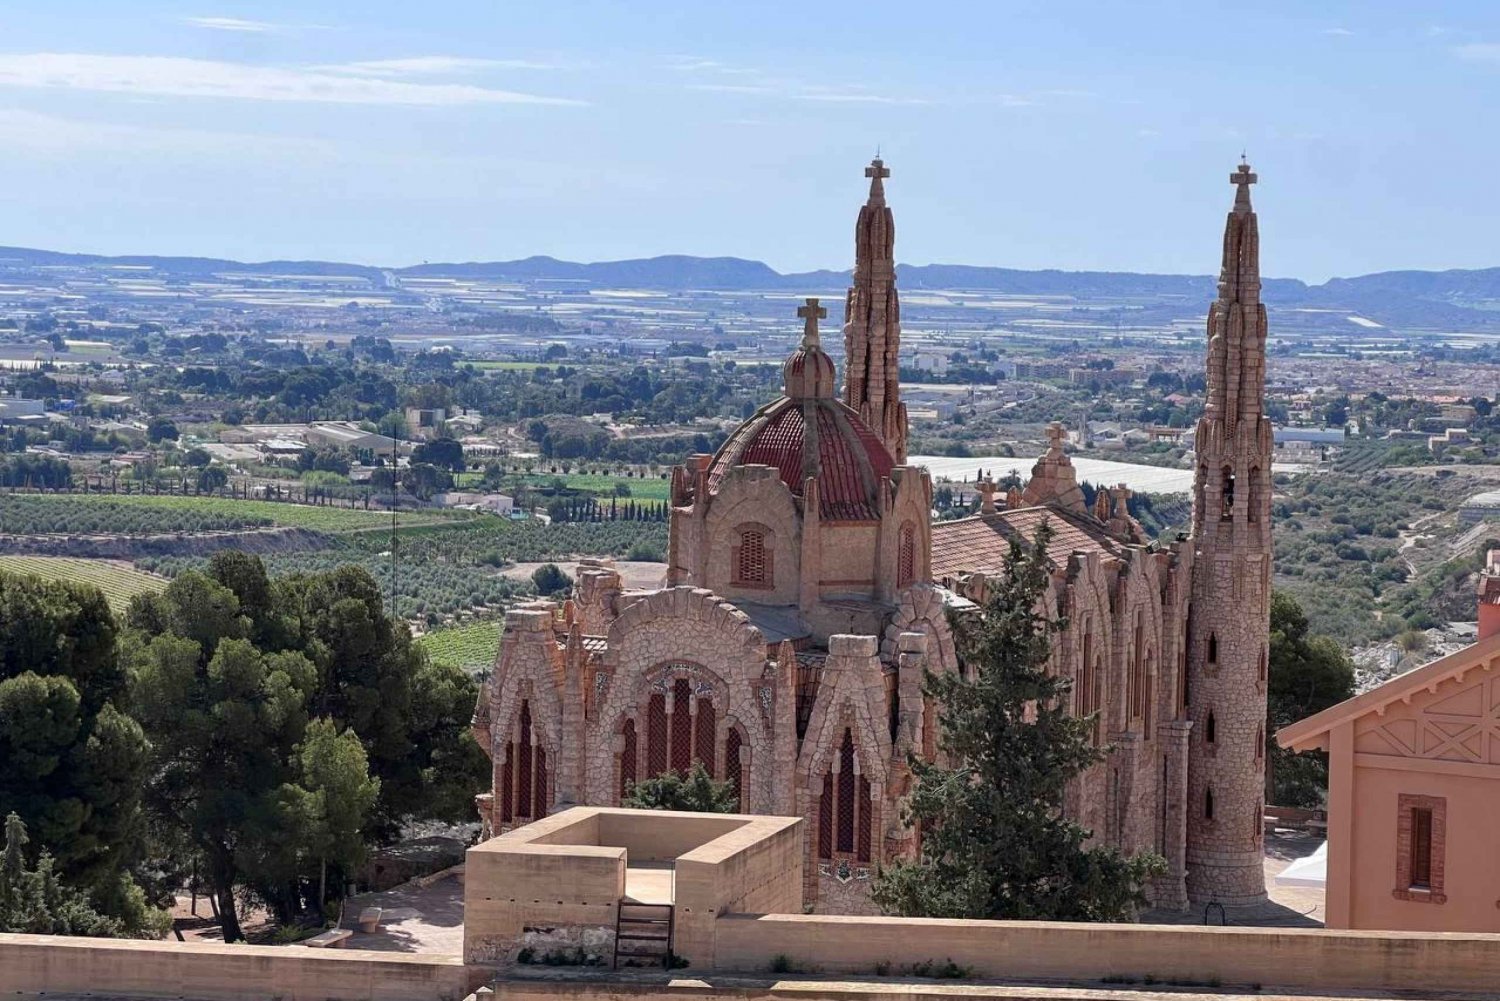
(1023, 134)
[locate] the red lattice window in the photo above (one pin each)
(656, 735)
(906, 555)
(523, 779)
(862, 837)
(627, 757)
(732, 767)
(752, 560)
(682, 726)
(846, 793)
(705, 722)
(825, 818)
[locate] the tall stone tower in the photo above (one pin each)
(872, 321)
(1229, 619)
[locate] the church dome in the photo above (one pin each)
(808, 432)
(818, 437)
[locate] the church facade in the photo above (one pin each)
(808, 589)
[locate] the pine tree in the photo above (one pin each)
(697, 791)
(995, 844)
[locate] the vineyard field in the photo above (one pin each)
(119, 583)
(145, 514)
(471, 647)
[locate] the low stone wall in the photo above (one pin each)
(52, 964)
(1289, 958)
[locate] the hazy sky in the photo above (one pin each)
(1024, 134)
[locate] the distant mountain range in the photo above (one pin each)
(1465, 299)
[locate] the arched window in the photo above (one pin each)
(846, 817)
(1260, 742)
(846, 794)
(1253, 508)
(705, 724)
(751, 559)
(1208, 804)
(1261, 673)
(1226, 494)
(1213, 648)
(1210, 730)
(682, 726)
(524, 785)
(906, 555)
(656, 735)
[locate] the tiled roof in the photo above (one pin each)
(851, 457)
(982, 542)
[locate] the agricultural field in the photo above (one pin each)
(146, 514)
(118, 581)
(471, 646)
(652, 488)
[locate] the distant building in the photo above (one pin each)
(423, 422)
(13, 408)
(1480, 507)
(350, 436)
(1440, 443)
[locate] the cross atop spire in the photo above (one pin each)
(812, 313)
(1242, 179)
(877, 172)
(1056, 436)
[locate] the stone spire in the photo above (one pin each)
(1229, 629)
(872, 321)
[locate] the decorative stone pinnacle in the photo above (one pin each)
(1056, 435)
(986, 488)
(812, 313)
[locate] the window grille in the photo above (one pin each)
(750, 558)
(656, 735)
(906, 556)
(732, 767)
(682, 727)
(825, 818)
(706, 722)
(846, 793)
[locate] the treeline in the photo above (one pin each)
(258, 734)
(38, 472)
(565, 509)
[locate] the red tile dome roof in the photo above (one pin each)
(851, 460)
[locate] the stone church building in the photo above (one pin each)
(808, 588)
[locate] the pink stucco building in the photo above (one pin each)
(1414, 790)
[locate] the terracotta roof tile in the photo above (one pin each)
(851, 457)
(982, 542)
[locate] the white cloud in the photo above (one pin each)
(1339, 32)
(52, 135)
(1479, 52)
(431, 66)
(848, 97)
(177, 77)
(231, 24)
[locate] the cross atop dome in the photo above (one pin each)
(812, 313)
(1057, 434)
(877, 172)
(1242, 179)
